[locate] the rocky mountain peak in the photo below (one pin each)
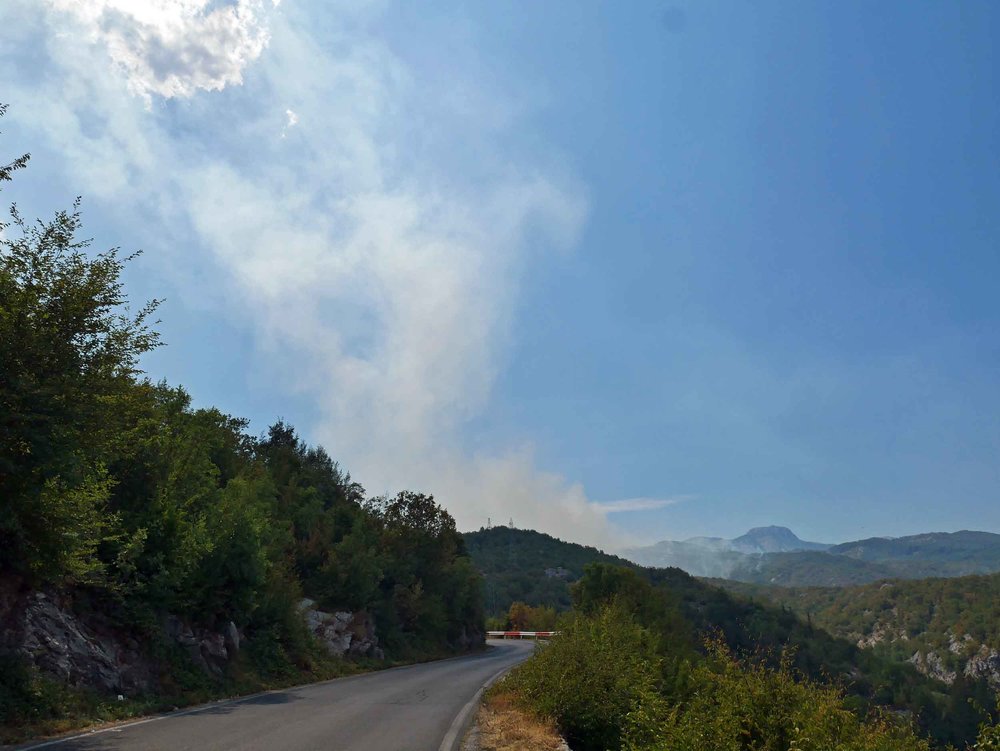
(772, 539)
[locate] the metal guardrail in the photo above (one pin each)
(520, 634)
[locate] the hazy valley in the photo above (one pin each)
(775, 555)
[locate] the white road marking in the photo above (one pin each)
(451, 738)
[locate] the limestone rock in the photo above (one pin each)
(985, 664)
(958, 646)
(207, 649)
(232, 635)
(44, 630)
(932, 665)
(342, 632)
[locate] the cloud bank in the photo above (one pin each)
(173, 48)
(382, 272)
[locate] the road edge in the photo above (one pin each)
(463, 720)
(81, 733)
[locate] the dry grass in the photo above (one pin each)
(503, 726)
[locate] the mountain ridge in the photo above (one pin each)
(775, 555)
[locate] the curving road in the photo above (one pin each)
(415, 708)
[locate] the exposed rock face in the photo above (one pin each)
(81, 652)
(42, 628)
(233, 638)
(985, 664)
(881, 632)
(932, 665)
(209, 650)
(342, 632)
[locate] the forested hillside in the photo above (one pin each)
(933, 554)
(163, 535)
(947, 627)
(521, 565)
(807, 568)
(625, 673)
(518, 564)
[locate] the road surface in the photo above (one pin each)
(415, 708)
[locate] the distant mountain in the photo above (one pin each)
(718, 557)
(775, 555)
(951, 553)
(773, 540)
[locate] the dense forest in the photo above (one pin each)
(519, 565)
(948, 627)
(136, 510)
(626, 672)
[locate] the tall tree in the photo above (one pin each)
(69, 351)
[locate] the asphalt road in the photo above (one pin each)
(415, 708)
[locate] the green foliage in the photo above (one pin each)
(523, 617)
(744, 705)
(30, 700)
(428, 585)
(590, 678)
(119, 484)
(927, 612)
(22, 697)
(69, 348)
(690, 607)
(514, 564)
(955, 619)
(989, 735)
(118, 491)
(603, 683)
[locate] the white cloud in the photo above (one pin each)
(172, 48)
(291, 120)
(626, 505)
(385, 282)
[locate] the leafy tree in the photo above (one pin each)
(69, 348)
(526, 618)
(139, 506)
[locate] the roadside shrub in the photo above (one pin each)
(591, 677)
(742, 705)
(989, 736)
(18, 697)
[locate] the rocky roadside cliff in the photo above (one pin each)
(342, 632)
(84, 649)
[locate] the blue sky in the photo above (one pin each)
(724, 264)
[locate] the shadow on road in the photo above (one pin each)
(110, 740)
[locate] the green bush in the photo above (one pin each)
(601, 668)
(743, 705)
(989, 736)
